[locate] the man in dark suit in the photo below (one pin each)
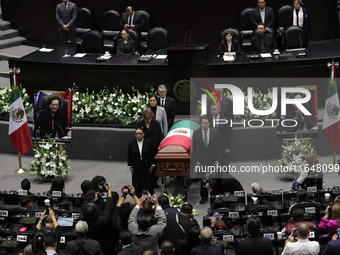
(262, 42)
(262, 14)
(128, 248)
(131, 19)
(224, 132)
(178, 225)
(206, 247)
(227, 104)
(332, 247)
(66, 15)
(82, 243)
(141, 162)
(254, 244)
(168, 103)
(205, 152)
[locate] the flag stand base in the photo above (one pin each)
(20, 170)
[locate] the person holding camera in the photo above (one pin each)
(302, 245)
(144, 234)
(330, 222)
(98, 221)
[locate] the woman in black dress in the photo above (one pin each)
(125, 45)
(52, 122)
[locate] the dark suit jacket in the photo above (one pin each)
(44, 123)
(170, 109)
(69, 18)
(99, 230)
(154, 133)
(91, 246)
(207, 156)
(126, 49)
(207, 248)
(268, 19)
(306, 24)
(134, 155)
(332, 248)
(235, 47)
(269, 43)
(173, 232)
(131, 250)
(224, 132)
(255, 246)
(138, 21)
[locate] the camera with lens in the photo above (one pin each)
(126, 189)
(101, 187)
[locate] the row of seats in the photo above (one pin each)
(156, 41)
(292, 38)
(110, 28)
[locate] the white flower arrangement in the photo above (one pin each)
(108, 106)
(294, 156)
(50, 161)
(5, 100)
(178, 201)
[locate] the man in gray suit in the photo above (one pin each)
(66, 15)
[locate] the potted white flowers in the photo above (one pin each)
(49, 161)
(294, 156)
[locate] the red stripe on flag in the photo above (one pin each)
(21, 139)
(333, 136)
(178, 140)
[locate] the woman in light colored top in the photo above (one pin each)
(229, 46)
(159, 113)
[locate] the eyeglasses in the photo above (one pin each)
(55, 105)
(138, 133)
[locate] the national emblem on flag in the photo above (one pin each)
(331, 117)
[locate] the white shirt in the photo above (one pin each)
(131, 17)
(140, 147)
(302, 247)
(263, 14)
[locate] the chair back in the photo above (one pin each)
(295, 38)
(157, 39)
(92, 42)
(236, 34)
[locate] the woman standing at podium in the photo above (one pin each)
(125, 45)
(229, 46)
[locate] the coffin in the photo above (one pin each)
(173, 156)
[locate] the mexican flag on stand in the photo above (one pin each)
(331, 116)
(18, 125)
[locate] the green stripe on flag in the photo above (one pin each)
(15, 94)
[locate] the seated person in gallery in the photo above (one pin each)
(229, 45)
(125, 45)
(51, 121)
(303, 122)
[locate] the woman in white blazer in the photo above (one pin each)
(159, 113)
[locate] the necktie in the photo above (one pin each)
(206, 138)
(35, 99)
(65, 7)
(297, 17)
(163, 102)
(129, 21)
